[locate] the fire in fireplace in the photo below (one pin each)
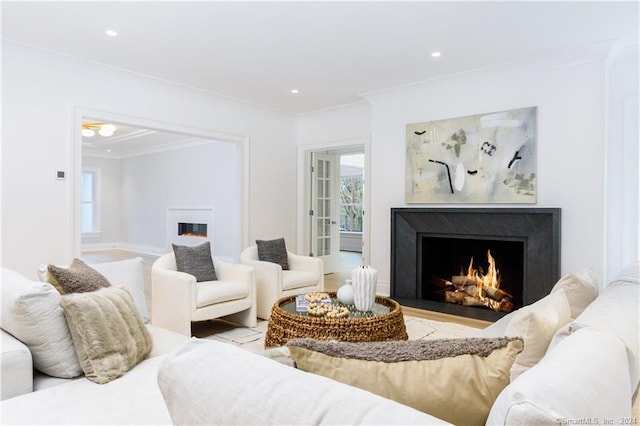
(192, 229)
(474, 262)
(473, 272)
(479, 289)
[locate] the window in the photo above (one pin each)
(90, 196)
(351, 203)
(351, 192)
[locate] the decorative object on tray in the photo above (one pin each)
(483, 158)
(304, 300)
(328, 311)
(318, 309)
(345, 293)
(364, 279)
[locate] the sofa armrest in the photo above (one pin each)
(16, 367)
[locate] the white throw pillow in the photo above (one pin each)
(128, 273)
(536, 324)
(615, 311)
(581, 289)
(31, 312)
(498, 328)
(584, 377)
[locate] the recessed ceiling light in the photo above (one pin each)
(112, 33)
(108, 150)
(436, 54)
(294, 91)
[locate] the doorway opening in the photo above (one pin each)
(147, 169)
(336, 229)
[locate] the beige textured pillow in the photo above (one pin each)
(108, 333)
(456, 380)
(581, 289)
(78, 278)
(536, 324)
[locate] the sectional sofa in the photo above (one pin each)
(590, 372)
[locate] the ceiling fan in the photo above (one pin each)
(89, 128)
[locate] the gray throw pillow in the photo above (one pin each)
(196, 261)
(78, 278)
(273, 251)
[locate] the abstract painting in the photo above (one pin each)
(484, 158)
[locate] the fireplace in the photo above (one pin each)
(188, 229)
(189, 226)
(477, 262)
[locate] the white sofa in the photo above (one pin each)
(590, 371)
(32, 397)
(589, 374)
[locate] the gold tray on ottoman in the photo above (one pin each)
(384, 322)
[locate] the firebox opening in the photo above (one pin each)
(448, 261)
(192, 229)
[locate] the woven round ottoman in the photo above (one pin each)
(384, 322)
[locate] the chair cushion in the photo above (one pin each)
(274, 251)
(298, 279)
(196, 261)
(212, 292)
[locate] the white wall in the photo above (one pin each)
(41, 94)
(137, 191)
(340, 125)
(570, 149)
(195, 177)
(569, 92)
(623, 211)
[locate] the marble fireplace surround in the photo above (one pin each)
(538, 228)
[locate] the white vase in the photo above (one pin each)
(345, 294)
(364, 280)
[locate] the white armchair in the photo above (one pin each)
(177, 299)
(305, 274)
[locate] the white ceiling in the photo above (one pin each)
(332, 52)
(130, 141)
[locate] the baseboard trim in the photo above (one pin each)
(440, 316)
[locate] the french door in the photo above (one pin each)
(324, 212)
